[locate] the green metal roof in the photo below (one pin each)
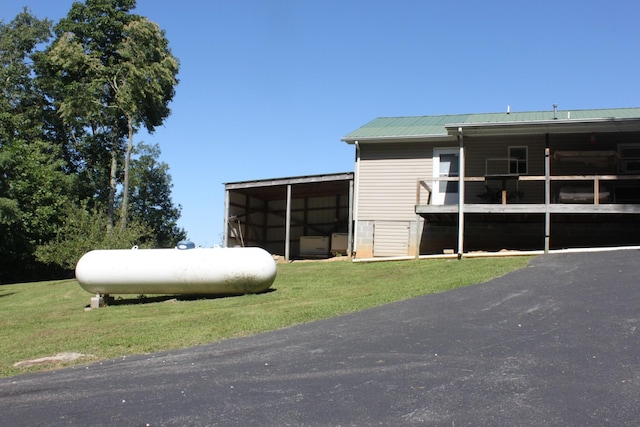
(435, 126)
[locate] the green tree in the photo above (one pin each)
(68, 116)
(84, 230)
(117, 75)
(151, 197)
(34, 186)
(144, 86)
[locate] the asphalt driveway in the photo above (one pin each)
(557, 343)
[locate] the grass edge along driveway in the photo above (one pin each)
(47, 318)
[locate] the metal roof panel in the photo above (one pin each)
(435, 126)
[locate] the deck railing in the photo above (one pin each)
(424, 186)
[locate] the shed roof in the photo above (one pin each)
(436, 126)
(305, 186)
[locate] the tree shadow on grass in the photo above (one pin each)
(143, 299)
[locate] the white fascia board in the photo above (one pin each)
(402, 138)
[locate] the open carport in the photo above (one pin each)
(278, 214)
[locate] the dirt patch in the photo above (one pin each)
(58, 358)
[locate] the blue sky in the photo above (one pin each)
(268, 88)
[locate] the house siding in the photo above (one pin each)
(387, 180)
(388, 174)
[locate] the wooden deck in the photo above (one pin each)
(581, 200)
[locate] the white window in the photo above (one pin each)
(518, 160)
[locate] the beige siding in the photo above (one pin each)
(389, 173)
(387, 180)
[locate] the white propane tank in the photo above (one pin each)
(176, 271)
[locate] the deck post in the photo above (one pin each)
(460, 194)
(417, 237)
(547, 198)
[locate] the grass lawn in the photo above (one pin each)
(46, 318)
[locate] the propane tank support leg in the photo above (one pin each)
(97, 301)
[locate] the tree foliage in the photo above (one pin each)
(85, 229)
(121, 76)
(151, 198)
(69, 112)
(33, 184)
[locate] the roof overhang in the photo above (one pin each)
(307, 179)
(303, 186)
(401, 138)
(558, 126)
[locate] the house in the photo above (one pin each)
(528, 181)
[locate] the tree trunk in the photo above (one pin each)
(125, 183)
(112, 188)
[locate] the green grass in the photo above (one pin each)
(46, 318)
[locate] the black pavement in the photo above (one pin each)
(556, 343)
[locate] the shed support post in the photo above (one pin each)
(225, 238)
(287, 231)
(460, 194)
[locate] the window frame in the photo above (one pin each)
(519, 161)
(628, 163)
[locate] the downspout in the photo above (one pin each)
(350, 228)
(460, 193)
(356, 193)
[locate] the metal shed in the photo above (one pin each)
(282, 215)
